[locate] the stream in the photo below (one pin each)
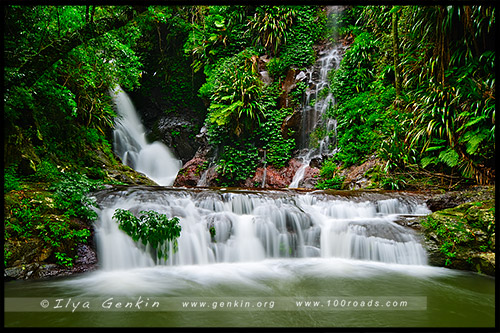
(277, 259)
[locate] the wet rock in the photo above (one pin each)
(178, 133)
(310, 178)
(291, 124)
(288, 84)
(86, 262)
(274, 178)
(355, 175)
(301, 76)
(189, 175)
(278, 178)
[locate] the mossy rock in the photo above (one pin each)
(462, 237)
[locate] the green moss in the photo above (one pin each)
(465, 235)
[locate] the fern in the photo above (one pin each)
(449, 157)
(473, 140)
(427, 160)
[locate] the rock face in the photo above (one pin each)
(33, 264)
(190, 174)
(291, 124)
(197, 172)
(355, 176)
(176, 130)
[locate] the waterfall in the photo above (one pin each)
(254, 226)
(152, 159)
(313, 115)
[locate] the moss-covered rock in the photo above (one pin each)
(462, 237)
(40, 239)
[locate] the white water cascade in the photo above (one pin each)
(152, 159)
(253, 226)
(313, 115)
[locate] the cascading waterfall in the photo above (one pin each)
(313, 116)
(152, 159)
(252, 226)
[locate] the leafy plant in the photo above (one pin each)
(151, 228)
(11, 180)
(335, 183)
(237, 163)
(272, 24)
(64, 259)
(31, 216)
(71, 195)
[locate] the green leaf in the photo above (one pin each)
(428, 160)
(449, 157)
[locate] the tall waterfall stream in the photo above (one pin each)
(155, 159)
(313, 116)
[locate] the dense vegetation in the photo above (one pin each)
(245, 114)
(416, 89)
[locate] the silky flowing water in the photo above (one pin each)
(155, 160)
(313, 116)
(277, 258)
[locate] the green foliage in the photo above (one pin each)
(237, 162)
(33, 216)
(151, 228)
(47, 172)
(235, 89)
(212, 233)
(72, 195)
(242, 109)
(167, 68)
(450, 82)
(63, 111)
(269, 136)
(309, 26)
(11, 180)
(329, 179)
(364, 119)
(357, 69)
(335, 183)
(64, 259)
(216, 32)
(444, 118)
(272, 24)
(363, 122)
